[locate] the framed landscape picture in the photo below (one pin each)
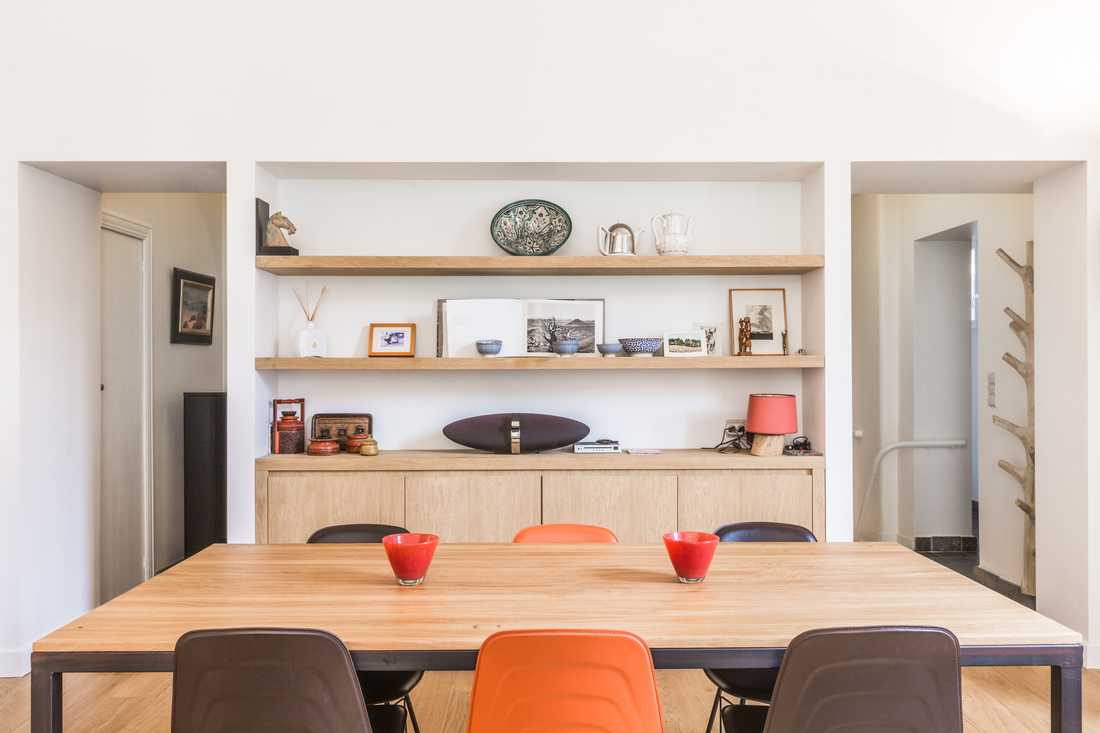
(766, 309)
(686, 343)
(192, 308)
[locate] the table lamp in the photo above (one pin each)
(770, 417)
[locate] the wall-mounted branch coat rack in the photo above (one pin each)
(1024, 328)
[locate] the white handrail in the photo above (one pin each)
(889, 448)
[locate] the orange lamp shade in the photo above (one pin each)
(772, 414)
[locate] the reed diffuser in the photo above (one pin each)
(311, 340)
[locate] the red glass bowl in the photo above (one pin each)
(410, 554)
(691, 554)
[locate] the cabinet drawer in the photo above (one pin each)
(300, 503)
(638, 506)
(710, 499)
(472, 506)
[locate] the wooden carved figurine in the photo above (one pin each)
(744, 336)
(273, 236)
(1024, 328)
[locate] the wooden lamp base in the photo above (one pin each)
(767, 445)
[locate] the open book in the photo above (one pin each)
(525, 327)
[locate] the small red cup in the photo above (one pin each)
(410, 554)
(691, 553)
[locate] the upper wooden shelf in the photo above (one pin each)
(575, 363)
(551, 265)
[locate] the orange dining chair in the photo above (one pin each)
(565, 533)
(565, 680)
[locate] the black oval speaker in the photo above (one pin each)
(536, 432)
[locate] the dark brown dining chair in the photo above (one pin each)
(750, 684)
(303, 680)
(902, 679)
(379, 688)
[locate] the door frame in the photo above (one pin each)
(143, 232)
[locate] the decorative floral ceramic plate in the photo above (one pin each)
(531, 227)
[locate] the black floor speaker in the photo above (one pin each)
(204, 471)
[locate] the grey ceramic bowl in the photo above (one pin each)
(641, 346)
(610, 349)
(489, 347)
(567, 347)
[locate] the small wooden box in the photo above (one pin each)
(339, 426)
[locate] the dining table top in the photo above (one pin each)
(756, 595)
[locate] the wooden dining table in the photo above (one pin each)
(755, 599)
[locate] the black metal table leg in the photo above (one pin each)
(1065, 699)
(45, 699)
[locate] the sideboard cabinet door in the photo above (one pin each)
(638, 506)
(300, 503)
(710, 499)
(472, 506)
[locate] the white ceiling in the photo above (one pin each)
(548, 171)
(951, 176)
(141, 176)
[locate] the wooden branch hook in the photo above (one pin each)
(1024, 434)
(1012, 470)
(1022, 368)
(1024, 271)
(1018, 321)
(1028, 509)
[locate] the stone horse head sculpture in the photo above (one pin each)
(273, 236)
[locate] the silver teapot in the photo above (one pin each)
(618, 240)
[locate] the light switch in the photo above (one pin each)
(991, 389)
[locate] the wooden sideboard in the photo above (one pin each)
(468, 496)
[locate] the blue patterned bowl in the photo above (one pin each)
(610, 349)
(531, 227)
(641, 346)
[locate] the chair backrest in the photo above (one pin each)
(230, 680)
(887, 679)
(355, 533)
(599, 681)
(565, 533)
(764, 532)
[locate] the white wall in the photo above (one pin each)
(941, 387)
(189, 233)
(451, 217)
(834, 82)
(58, 351)
(1003, 220)
(1062, 371)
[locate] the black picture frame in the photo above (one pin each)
(183, 333)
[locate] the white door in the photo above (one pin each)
(121, 502)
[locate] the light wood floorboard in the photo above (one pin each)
(994, 700)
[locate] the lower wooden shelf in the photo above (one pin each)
(576, 363)
(471, 460)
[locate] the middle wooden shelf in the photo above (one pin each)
(576, 363)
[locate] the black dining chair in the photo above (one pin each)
(379, 688)
(750, 684)
(890, 679)
(231, 680)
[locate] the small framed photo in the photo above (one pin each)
(686, 343)
(766, 309)
(192, 308)
(392, 339)
(710, 334)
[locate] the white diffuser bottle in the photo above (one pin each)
(311, 340)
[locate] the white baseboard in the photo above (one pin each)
(17, 662)
(1092, 656)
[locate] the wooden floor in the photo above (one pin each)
(994, 701)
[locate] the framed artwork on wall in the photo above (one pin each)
(392, 339)
(192, 308)
(686, 343)
(766, 309)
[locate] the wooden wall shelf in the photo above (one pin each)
(470, 460)
(552, 265)
(576, 363)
